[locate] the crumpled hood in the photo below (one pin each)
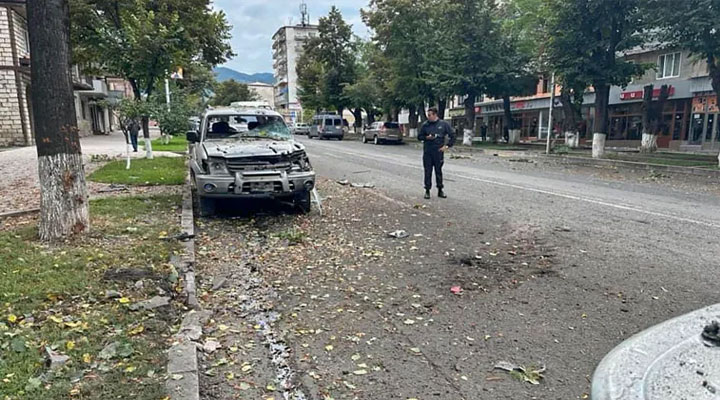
(249, 148)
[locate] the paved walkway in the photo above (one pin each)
(19, 188)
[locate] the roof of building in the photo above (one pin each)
(298, 26)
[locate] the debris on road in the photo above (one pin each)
(711, 334)
(531, 375)
(399, 234)
(456, 289)
(344, 182)
(362, 185)
(55, 359)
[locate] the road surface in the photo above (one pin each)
(551, 266)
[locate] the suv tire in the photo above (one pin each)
(303, 202)
(376, 140)
(364, 138)
(206, 206)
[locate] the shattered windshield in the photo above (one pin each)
(243, 126)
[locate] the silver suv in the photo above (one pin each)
(248, 153)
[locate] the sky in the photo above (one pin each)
(255, 21)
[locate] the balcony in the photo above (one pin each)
(98, 89)
(80, 82)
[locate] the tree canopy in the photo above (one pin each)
(230, 91)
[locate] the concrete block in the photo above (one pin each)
(182, 357)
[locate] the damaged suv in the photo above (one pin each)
(248, 153)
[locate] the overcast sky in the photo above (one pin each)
(255, 21)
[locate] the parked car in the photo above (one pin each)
(381, 132)
(300, 128)
(248, 153)
(327, 126)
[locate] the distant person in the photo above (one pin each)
(437, 137)
(134, 130)
(483, 132)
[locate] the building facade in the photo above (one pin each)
(264, 92)
(287, 47)
(15, 106)
(690, 115)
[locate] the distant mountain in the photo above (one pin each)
(224, 74)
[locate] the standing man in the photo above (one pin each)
(438, 136)
(134, 130)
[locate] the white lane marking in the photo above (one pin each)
(541, 191)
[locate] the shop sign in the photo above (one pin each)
(701, 104)
(638, 94)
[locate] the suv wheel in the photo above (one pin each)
(376, 140)
(303, 202)
(364, 138)
(207, 206)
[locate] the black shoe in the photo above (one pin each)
(442, 194)
(427, 195)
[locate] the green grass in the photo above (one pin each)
(143, 172)
(53, 296)
(178, 144)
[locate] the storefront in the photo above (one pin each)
(626, 124)
(704, 126)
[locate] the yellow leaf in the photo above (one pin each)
(70, 345)
(130, 369)
(124, 300)
(223, 327)
(87, 358)
(139, 329)
(73, 324)
(270, 387)
(56, 320)
(246, 368)
(74, 392)
(329, 347)
(230, 376)
(12, 318)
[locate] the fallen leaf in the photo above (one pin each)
(12, 318)
(70, 345)
(360, 372)
(124, 300)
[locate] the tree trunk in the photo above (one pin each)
(63, 193)
(146, 137)
(602, 99)
(469, 120)
(571, 120)
(510, 123)
(370, 117)
(442, 105)
(422, 113)
(413, 121)
(649, 139)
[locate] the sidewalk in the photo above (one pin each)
(19, 188)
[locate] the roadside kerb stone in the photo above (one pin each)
(183, 381)
(637, 165)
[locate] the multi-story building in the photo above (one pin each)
(264, 92)
(288, 44)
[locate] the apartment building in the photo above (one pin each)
(287, 48)
(15, 107)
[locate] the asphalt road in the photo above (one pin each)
(624, 253)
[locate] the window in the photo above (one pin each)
(392, 125)
(545, 84)
(668, 66)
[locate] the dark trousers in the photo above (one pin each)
(134, 141)
(433, 159)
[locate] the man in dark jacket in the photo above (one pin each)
(438, 136)
(134, 130)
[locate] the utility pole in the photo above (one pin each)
(64, 204)
(550, 114)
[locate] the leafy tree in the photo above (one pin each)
(143, 40)
(403, 39)
(330, 63)
(365, 93)
(466, 66)
(691, 25)
(586, 37)
(230, 91)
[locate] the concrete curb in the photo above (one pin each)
(711, 173)
(19, 213)
(183, 381)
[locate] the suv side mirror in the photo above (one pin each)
(192, 136)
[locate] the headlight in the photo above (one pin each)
(217, 166)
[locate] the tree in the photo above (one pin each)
(466, 66)
(586, 38)
(364, 93)
(143, 40)
(690, 25)
(652, 117)
(64, 208)
(231, 90)
(310, 74)
(402, 44)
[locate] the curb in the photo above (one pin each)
(711, 173)
(183, 380)
(19, 213)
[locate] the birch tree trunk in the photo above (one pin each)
(469, 120)
(146, 137)
(63, 193)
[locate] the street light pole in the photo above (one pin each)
(550, 116)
